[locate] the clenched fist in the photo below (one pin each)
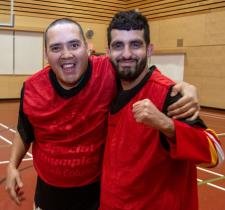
(146, 112)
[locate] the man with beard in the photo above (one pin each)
(149, 159)
(63, 112)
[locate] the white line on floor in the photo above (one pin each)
(213, 185)
(9, 142)
(6, 161)
(7, 128)
(210, 172)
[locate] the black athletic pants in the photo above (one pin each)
(48, 197)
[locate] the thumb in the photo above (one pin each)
(174, 92)
(19, 182)
(175, 89)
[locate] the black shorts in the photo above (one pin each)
(48, 197)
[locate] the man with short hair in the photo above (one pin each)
(149, 159)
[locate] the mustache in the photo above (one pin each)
(127, 59)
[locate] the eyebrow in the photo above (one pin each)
(74, 40)
(131, 41)
(116, 41)
(54, 44)
(137, 41)
(69, 42)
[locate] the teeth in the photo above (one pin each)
(68, 65)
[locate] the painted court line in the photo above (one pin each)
(9, 142)
(211, 180)
(212, 185)
(6, 140)
(210, 172)
(221, 134)
(7, 128)
(6, 162)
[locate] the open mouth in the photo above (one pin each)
(68, 67)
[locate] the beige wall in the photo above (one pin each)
(200, 26)
(98, 40)
(204, 43)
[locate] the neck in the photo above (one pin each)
(127, 85)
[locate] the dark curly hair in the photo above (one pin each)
(129, 20)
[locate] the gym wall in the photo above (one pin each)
(196, 28)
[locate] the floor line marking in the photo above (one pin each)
(212, 185)
(210, 172)
(8, 128)
(6, 140)
(9, 142)
(221, 134)
(4, 126)
(211, 180)
(7, 161)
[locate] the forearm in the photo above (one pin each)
(166, 126)
(18, 151)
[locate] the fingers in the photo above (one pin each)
(138, 110)
(141, 109)
(187, 111)
(184, 108)
(194, 116)
(20, 195)
(14, 188)
(14, 193)
(19, 182)
(180, 103)
(188, 105)
(141, 104)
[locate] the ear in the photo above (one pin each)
(45, 54)
(45, 57)
(149, 50)
(108, 52)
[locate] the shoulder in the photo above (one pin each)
(43, 73)
(101, 65)
(161, 80)
(38, 82)
(99, 59)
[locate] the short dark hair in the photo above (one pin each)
(129, 20)
(63, 21)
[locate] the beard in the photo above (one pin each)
(129, 73)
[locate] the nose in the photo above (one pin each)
(126, 52)
(66, 53)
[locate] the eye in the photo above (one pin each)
(117, 45)
(74, 45)
(55, 48)
(136, 44)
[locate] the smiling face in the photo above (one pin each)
(128, 53)
(66, 52)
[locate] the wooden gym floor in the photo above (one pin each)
(211, 182)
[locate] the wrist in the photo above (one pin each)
(12, 165)
(168, 128)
